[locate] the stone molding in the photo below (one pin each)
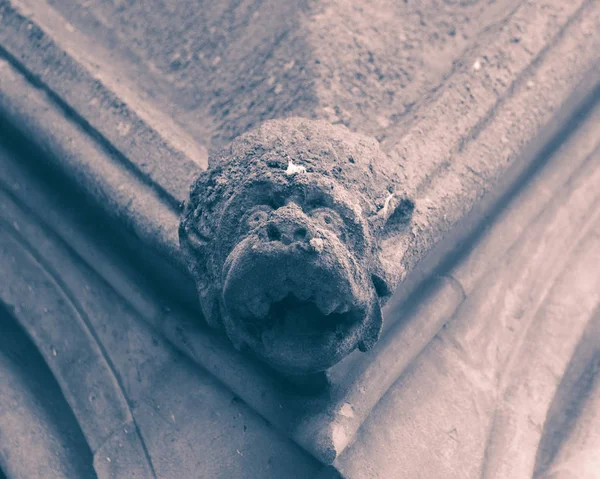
(515, 105)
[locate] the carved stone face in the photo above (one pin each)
(282, 255)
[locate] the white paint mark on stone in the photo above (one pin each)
(317, 244)
(477, 65)
(347, 410)
(386, 205)
(292, 169)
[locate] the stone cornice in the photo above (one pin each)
(504, 125)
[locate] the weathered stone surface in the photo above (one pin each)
(435, 163)
(462, 144)
(143, 408)
(477, 401)
(39, 434)
(282, 235)
(310, 416)
(220, 69)
(571, 441)
(465, 131)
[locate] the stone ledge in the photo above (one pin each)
(487, 397)
(144, 212)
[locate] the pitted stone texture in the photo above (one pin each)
(282, 237)
(221, 68)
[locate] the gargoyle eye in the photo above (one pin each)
(258, 215)
(327, 218)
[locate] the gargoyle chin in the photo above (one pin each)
(281, 235)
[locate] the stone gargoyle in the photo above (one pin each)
(282, 234)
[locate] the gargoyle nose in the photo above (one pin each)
(287, 232)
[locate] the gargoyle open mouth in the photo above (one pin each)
(298, 310)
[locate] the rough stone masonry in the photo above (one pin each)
(281, 235)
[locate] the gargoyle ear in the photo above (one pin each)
(392, 219)
(395, 214)
(195, 239)
(195, 233)
(373, 328)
